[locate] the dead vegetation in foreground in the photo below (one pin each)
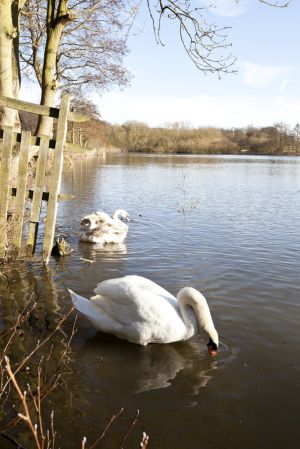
(26, 380)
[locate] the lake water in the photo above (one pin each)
(228, 226)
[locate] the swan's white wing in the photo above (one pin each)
(140, 282)
(152, 287)
(141, 307)
(123, 300)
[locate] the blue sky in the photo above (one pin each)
(167, 87)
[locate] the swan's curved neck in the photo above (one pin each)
(189, 297)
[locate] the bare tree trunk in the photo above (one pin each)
(16, 72)
(56, 22)
(49, 83)
(7, 34)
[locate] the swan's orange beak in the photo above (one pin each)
(213, 352)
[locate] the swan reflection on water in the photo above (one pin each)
(97, 248)
(159, 367)
(152, 367)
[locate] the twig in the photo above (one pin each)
(133, 423)
(45, 384)
(21, 318)
(276, 4)
(26, 418)
(112, 419)
(40, 344)
(144, 441)
(86, 260)
(53, 433)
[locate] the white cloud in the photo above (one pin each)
(258, 75)
(201, 110)
(226, 8)
(284, 83)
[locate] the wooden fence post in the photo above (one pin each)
(6, 157)
(37, 195)
(61, 134)
(21, 190)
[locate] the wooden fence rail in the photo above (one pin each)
(21, 188)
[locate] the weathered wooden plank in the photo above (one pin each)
(37, 196)
(25, 106)
(57, 165)
(45, 196)
(21, 190)
(47, 111)
(6, 157)
(35, 140)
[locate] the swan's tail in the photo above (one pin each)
(84, 305)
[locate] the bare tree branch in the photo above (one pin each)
(204, 43)
(276, 4)
(91, 31)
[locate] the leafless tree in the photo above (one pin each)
(90, 41)
(71, 43)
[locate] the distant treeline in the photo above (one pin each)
(181, 138)
(178, 137)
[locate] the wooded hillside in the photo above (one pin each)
(181, 138)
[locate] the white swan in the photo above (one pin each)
(99, 227)
(140, 311)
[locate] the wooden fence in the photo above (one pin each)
(22, 190)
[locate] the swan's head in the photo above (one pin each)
(122, 214)
(213, 347)
(89, 222)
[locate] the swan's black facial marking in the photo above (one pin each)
(212, 345)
